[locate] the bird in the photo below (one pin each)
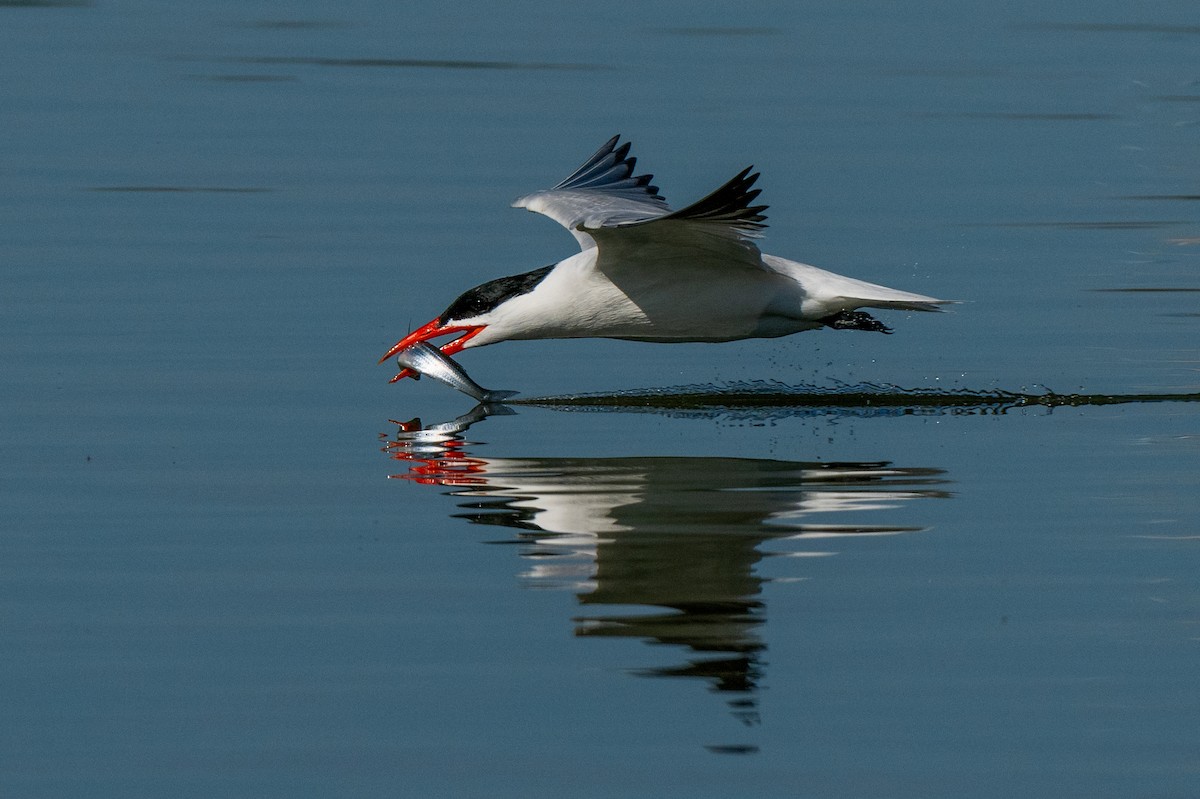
(646, 272)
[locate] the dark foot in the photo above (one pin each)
(855, 320)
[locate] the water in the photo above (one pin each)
(226, 568)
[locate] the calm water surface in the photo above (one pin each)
(235, 561)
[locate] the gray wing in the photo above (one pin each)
(605, 205)
(600, 193)
(716, 232)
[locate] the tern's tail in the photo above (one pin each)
(902, 301)
(828, 293)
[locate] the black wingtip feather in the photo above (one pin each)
(729, 204)
(608, 166)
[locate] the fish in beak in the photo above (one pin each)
(425, 359)
(432, 330)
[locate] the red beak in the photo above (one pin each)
(429, 331)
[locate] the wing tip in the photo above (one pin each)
(729, 204)
(611, 168)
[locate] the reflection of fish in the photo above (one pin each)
(427, 359)
(414, 432)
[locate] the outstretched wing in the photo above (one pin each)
(605, 205)
(716, 232)
(600, 193)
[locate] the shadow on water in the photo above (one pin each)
(679, 538)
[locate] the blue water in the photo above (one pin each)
(227, 569)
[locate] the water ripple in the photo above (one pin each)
(410, 63)
(183, 189)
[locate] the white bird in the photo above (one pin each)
(648, 273)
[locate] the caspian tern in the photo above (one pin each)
(648, 273)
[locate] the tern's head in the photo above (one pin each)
(468, 315)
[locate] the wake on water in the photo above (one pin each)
(768, 399)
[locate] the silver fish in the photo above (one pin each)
(426, 359)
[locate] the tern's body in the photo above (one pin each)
(648, 273)
(577, 300)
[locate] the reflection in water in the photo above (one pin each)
(678, 535)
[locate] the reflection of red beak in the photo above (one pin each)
(430, 331)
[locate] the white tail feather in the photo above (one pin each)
(829, 293)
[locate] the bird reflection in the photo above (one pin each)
(678, 537)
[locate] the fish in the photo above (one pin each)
(426, 359)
